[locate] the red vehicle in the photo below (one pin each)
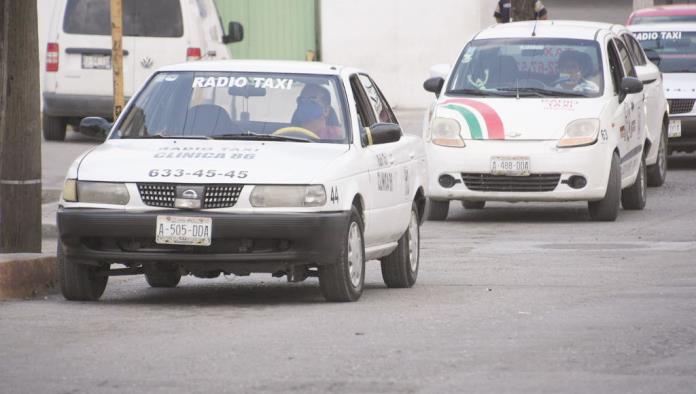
(664, 14)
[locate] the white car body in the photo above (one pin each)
(532, 127)
(78, 77)
(680, 90)
(382, 181)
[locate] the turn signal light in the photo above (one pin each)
(52, 56)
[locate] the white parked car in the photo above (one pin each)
(673, 48)
(539, 111)
(233, 167)
(156, 33)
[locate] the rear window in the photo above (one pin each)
(151, 18)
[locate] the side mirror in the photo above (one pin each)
(235, 33)
(95, 126)
(384, 133)
(648, 73)
(630, 85)
(434, 85)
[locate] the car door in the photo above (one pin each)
(381, 195)
(633, 131)
(650, 75)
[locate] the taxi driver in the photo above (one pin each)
(314, 113)
(574, 67)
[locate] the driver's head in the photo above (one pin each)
(313, 103)
(571, 65)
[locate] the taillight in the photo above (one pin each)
(193, 54)
(52, 55)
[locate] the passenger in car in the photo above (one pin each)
(314, 113)
(574, 68)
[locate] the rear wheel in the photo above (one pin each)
(474, 204)
(634, 198)
(54, 128)
(400, 268)
(438, 210)
(657, 173)
(607, 209)
(343, 281)
(162, 276)
(79, 282)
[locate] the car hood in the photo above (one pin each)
(194, 161)
(513, 119)
(680, 85)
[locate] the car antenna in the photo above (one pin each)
(517, 82)
(536, 23)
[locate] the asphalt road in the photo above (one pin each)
(524, 298)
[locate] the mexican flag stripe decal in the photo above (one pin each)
(494, 124)
(470, 117)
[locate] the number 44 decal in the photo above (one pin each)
(334, 195)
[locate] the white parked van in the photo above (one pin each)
(78, 78)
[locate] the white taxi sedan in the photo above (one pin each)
(539, 111)
(293, 169)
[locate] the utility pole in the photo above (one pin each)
(20, 128)
(117, 55)
(522, 10)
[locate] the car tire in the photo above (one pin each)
(79, 282)
(607, 209)
(400, 268)
(438, 210)
(657, 173)
(162, 277)
(344, 280)
(635, 197)
(54, 128)
(474, 205)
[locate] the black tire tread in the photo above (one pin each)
(655, 177)
(54, 128)
(77, 281)
(334, 282)
(396, 267)
(634, 198)
(438, 210)
(607, 209)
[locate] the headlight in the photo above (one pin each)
(102, 193)
(288, 196)
(445, 132)
(70, 190)
(581, 132)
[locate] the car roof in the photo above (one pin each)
(667, 10)
(546, 29)
(269, 66)
(663, 27)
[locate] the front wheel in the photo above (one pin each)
(657, 173)
(343, 281)
(400, 268)
(635, 197)
(79, 282)
(438, 210)
(607, 209)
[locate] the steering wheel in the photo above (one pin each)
(298, 130)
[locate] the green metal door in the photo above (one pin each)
(273, 29)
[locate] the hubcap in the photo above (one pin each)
(355, 254)
(413, 242)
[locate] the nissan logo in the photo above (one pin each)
(190, 194)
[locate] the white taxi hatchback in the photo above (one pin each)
(238, 167)
(539, 111)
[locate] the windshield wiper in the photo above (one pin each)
(477, 92)
(544, 92)
(161, 136)
(257, 137)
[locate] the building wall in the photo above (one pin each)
(397, 41)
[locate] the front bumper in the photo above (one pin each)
(591, 162)
(105, 236)
(78, 106)
(687, 141)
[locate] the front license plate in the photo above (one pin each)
(510, 166)
(96, 62)
(674, 129)
(181, 230)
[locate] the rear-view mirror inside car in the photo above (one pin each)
(247, 91)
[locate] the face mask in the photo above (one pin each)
(570, 76)
(307, 111)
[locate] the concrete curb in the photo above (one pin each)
(27, 275)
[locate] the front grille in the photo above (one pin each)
(162, 195)
(681, 106)
(501, 183)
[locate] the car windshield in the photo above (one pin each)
(672, 51)
(232, 105)
(648, 19)
(529, 67)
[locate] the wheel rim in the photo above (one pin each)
(413, 242)
(355, 254)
